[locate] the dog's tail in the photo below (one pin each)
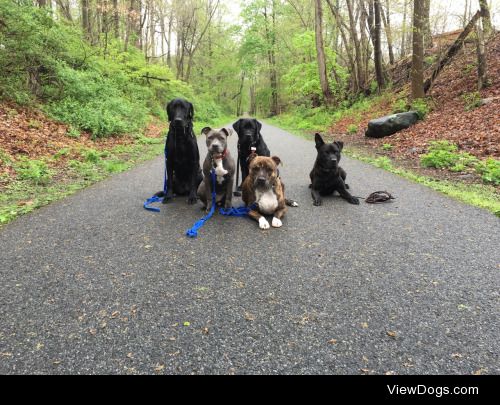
(291, 203)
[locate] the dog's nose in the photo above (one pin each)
(261, 179)
(178, 121)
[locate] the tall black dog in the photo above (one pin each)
(183, 161)
(327, 176)
(249, 137)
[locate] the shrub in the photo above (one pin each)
(445, 155)
(352, 129)
(472, 100)
(421, 106)
(387, 147)
(35, 171)
(42, 59)
(489, 171)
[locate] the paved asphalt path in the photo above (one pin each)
(95, 284)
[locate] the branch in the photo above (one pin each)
(451, 52)
(147, 77)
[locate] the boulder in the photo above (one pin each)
(385, 126)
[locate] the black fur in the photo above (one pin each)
(249, 136)
(327, 176)
(183, 162)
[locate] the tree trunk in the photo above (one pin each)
(270, 27)
(116, 19)
(379, 70)
(386, 18)
(482, 68)
(347, 44)
(417, 69)
(357, 46)
(427, 24)
(65, 9)
(320, 51)
(87, 28)
(486, 16)
(404, 28)
(42, 3)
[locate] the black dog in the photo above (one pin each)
(327, 176)
(183, 160)
(249, 137)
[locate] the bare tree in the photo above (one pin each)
(417, 69)
(386, 18)
(320, 51)
(486, 17)
(379, 72)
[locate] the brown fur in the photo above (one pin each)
(249, 188)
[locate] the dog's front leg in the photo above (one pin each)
(278, 215)
(346, 195)
(192, 191)
(208, 192)
(263, 224)
(170, 181)
(229, 192)
(317, 200)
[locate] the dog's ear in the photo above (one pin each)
(227, 131)
(251, 157)
(259, 126)
(340, 145)
(277, 160)
(319, 141)
(169, 111)
(236, 126)
(191, 111)
(206, 130)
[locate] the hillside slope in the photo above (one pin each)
(453, 117)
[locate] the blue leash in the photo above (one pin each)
(237, 212)
(193, 232)
(155, 199)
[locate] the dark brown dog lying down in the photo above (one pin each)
(264, 188)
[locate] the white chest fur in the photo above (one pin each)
(267, 201)
(219, 170)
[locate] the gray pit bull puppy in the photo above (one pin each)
(218, 158)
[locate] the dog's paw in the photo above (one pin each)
(294, 204)
(277, 223)
(318, 203)
(354, 201)
(263, 224)
(192, 200)
(221, 172)
(347, 187)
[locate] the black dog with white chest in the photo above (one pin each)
(250, 141)
(183, 160)
(327, 176)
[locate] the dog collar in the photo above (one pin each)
(222, 155)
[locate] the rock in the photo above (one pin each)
(389, 125)
(486, 101)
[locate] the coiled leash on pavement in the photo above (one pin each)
(379, 197)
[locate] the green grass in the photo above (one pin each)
(310, 120)
(39, 185)
(478, 195)
(25, 195)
